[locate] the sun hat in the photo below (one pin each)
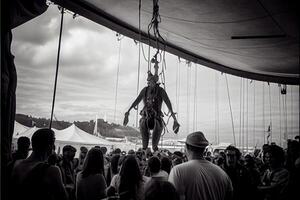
(197, 139)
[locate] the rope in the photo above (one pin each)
(270, 125)
(117, 81)
(243, 123)
(240, 133)
(57, 66)
(178, 86)
(139, 66)
(232, 123)
(217, 107)
(254, 128)
(188, 95)
(264, 128)
(247, 115)
(279, 106)
(195, 102)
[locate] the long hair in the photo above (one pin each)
(94, 163)
(130, 178)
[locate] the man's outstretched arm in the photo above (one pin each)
(134, 104)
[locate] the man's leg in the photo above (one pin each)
(158, 128)
(144, 132)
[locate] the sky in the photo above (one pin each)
(88, 74)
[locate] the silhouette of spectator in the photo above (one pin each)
(129, 182)
(67, 169)
(33, 178)
(155, 171)
(160, 190)
(199, 178)
(22, 151)
(275, 179)
(237, 173)
(90, 182)
(82, 155)
(166, 164)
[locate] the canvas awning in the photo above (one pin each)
(253, 39)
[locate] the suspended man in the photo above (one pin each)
(152, 117)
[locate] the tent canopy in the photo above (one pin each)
(253, 39)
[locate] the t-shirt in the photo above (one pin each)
(200, 179)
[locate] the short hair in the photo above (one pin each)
(42, 139)
(83, 149)
(23, 143)
(104, 150)
(69, 148)
(117, 151)
(154, 164)
(236, 150)
(277, 152)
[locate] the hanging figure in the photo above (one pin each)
(152, 117)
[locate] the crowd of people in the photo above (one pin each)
(269, 174)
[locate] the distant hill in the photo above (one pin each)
(106, 129)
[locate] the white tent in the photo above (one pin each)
(19, 129)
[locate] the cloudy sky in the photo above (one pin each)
(86, 87)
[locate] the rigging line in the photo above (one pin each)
(271, 16)
(178, 87)
(195, 101)
(247, 116)
(217, 107)
(188, 96)
(139, 66)
(285, 111)
(57, 65)
(254, 128)
(240, 133)
(264, 128)
(279, 106)
(231, 114)
(270, 129)
(117, 81)
(291, 91)
(243, 123)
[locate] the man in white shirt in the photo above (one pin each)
(199, 178)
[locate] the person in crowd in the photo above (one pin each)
(275, 180)
(23, 149)
(90, 182)
(154, 167)
(199, 178)
(67, 169)
(82, 155)
(22, 152)
(166, 164)
(293, 166)
(129, 183)
(33, 178)
(254, 176)
(237, 173)
(160, 190)
(153, 96)
(131, 152)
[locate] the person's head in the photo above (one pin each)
(195, 145)
(114, 163)
(131, 152)
(117, 151)
(152, 79)
(166, 164)
(130, 177)
(249, 161)
(68, 152)
(42, 142)
(233, 155)
(83, 152)
(154, 165)
(23, 146)
(160, 190)
(104, 150)
(274, 156)
(94, 163)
